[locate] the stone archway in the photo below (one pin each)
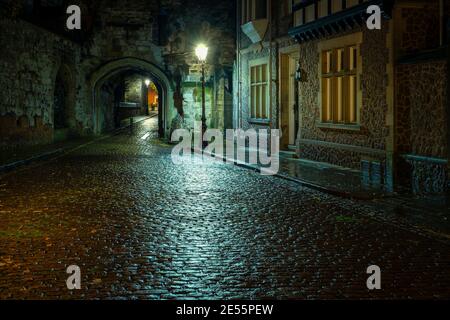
(165, 86)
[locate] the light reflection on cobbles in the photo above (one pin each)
(141, 227)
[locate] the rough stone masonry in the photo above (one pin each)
(151, 38)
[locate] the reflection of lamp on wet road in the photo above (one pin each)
(202, 53)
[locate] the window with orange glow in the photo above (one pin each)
(339, 85)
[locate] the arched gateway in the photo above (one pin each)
(112, 68)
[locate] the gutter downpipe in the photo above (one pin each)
(238, 120)
(445, 36)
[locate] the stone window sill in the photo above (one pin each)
(418, 158)
(338, 126)
(259, 121)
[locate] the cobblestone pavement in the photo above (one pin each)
(141, 227)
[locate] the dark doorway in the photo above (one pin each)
(60, 99)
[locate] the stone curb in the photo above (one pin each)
(331, 191)
(50, 154)
(44, 156)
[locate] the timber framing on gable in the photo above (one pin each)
(341, 21)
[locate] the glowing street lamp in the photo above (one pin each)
(147, 82)
(202, 53)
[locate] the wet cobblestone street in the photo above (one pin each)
(141, 227)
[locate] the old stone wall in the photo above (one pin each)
(192, 104)
(133, 89)
(421, 109)
(428, 177)
(126, 30)
(283, 18)
(421, 98)
(419, 27)
(106, 105)
(371, 138)
(30, 61)
(421, 123)
(160, 33)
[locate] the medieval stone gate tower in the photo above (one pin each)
(64, 81)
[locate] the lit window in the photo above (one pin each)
(259, 92)
(339, 85)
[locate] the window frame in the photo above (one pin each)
(253, 116)
(248, 10)
(352, 40)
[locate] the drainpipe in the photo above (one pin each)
(441, 21)
(271, 98)
(445, 41)
(238, 122)
(447, 29)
